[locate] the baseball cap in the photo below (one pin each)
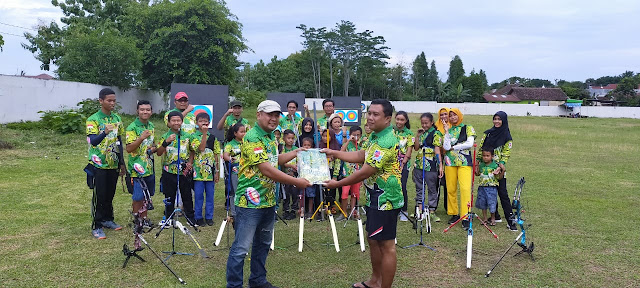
(181, 95)
(268, 106)
(235, 103)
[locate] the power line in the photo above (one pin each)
(5, 33)
(18, 26)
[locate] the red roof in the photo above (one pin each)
(515, 93)
(42, 76)
(496, 97)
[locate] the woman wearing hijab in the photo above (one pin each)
(499, 139)
(443, 117)
(458, 144)
(307, 131)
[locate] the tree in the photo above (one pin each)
(101, 57)
(1, 42)
(396, 82)
(456, 71)
(432, 82)
(476, 83)
(314, 41)
(420, 76)
(458, 94)
(187, 41)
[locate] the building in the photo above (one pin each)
(514, 93)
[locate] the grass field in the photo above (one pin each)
(582, 197)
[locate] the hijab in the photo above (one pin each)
(438, 123)
(460, 116)
(307, 134)
(497, 137)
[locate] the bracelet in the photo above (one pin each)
(165, 144)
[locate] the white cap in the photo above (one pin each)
(269, 106)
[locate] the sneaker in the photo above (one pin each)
(209, 222)
(434, 218)
(512, 226)
(340, 218)
(147, 223)
(453, 219)
(403, 217)
(498, 218)
(200, 222)
(111, 225)
(465, 225)
(98, 233)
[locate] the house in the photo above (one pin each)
(598, 90)
(514, 93)
(42, 76)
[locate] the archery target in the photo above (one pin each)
(348, 116)
(204, 109)
(363, 107)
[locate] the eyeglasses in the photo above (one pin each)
(182, 100)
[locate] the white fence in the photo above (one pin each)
(22, 97)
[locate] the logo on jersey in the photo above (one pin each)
(96, 160)
(253, 196)
(138, 168)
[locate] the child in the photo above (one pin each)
(170, 171)
(307, 131)
(278, 134)
(428, 141)
(488, 186)
(290, 203)
(330, 195)
(310, 192)
(344, 169)
(364, 142)
(232, 157)
(207, 151)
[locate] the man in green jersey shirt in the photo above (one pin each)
(328, 105)
(232, 116)
(189, 125)
(292, 121)
(255, 197)
(381, 175)
(104, 134)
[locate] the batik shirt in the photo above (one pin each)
(231, 120)
(500, 154)
(189, 124)
(487, 178)
(459, 157)
(347, 168)
(233, 148)
(322, 122)
(254, 189)
(170, 156)
(288, 170)
(364, 140)
(105, 154)
(383, 187)
(430, 154)
(295, 125)
(204, 163)
(140, 163)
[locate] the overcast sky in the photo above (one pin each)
(571, 40)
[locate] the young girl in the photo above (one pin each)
(337, 127)
(232, 156)
(344, 169)
(427, 145)
(405, 146)
(309, 192)
(307, 131)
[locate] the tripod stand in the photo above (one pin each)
(325, 205)
(230, 189)
(420, 214)
(356, 211)
(177, 212)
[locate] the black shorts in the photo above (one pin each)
(381, 225)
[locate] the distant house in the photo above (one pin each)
(42, 76)
(598, 90)
(523, 95)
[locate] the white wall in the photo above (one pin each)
(22, 97)
(510, 109)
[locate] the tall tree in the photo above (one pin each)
(456, 71)
(314, 41)
(432, 82)
(1, 42)
(420, 76)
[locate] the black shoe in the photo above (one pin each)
(453, 219)
(200, 222)
(465, 225)
(498, 218)
(511, 224)
(266, 285)
(209, 222)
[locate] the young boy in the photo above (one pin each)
(344, 169)
(310, 192)
(140, 145)
(488, 186)
(290, 203)
(205, 175)
(169, 148)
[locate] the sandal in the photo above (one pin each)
(361, 283)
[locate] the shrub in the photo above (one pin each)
(250, 98)
(25, 125)
(65, 121)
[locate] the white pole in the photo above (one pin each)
(273, 238)
(334, 232)
(301, 233)
(361, 234)
(221, 231)
(469, 249)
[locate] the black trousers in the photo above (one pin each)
(291, 202)
(442, 183)
(403, 180)
(170, 186)
(105, 189)
(503, 194)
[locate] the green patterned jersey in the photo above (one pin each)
(105, 155)
(233, 148)
(322, 122)
(287, 170)
(189, 124)
(170, 156)
(460, 157)
(500, 154)
(140, 164)
(383, 187)
(364, 140)
(487, 178)
(231, 120)
(405, 139)
(430, 153)
(204, 163)
(254, 189)
(347, 168)
(295, 125)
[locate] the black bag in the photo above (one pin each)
(91, 175)
(129, 181)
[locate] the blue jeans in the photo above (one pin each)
(200, 189)
(253, 229)
(138, 194)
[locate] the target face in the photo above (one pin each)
(348, 116)
(363, 107)
(198, 109)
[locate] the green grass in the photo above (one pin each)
(581, 197)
